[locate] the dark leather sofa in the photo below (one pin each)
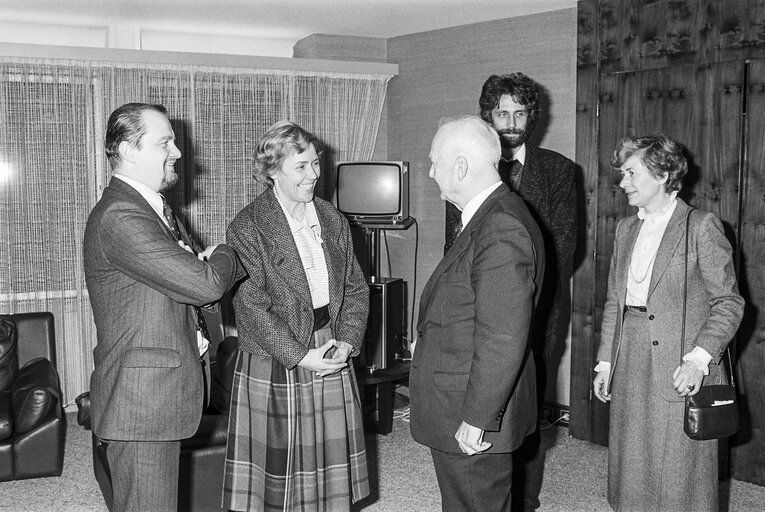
(32, 420)
(203, 455)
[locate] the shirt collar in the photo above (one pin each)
(472, 206)
(310, 220)
(659, 216)
(521, 154)
(152, 197)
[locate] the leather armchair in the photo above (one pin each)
(32, 420)
(203, 455)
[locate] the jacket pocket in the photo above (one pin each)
(152, 357)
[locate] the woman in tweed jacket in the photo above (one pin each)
(643, 369)
(296, 438)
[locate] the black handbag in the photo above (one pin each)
(712, 413)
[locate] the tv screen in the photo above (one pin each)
(373, 192)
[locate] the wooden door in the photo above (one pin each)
(748, 446)
(700, 107)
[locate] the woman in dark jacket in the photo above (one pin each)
(643, 369)
(296, 437)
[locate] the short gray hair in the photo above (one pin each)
(282, 140)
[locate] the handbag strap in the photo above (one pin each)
(685, 282)
(685, 300)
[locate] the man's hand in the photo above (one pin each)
(185, 247)
(470, 439)
(207, 253)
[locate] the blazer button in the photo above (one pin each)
(419, 334)
(650, 317)
(655, 343)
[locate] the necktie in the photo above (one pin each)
(515, 175)
(456, 230)
(167, 213)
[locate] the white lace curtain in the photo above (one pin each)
(53, 167)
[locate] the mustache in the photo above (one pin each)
(510, 131)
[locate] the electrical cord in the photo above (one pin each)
(401, 414)
(551, 424)
(414, 282)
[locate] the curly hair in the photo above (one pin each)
(661, 155)
(281, 140)
(126, 123)
(520, 87)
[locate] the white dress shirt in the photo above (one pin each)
(472, 206)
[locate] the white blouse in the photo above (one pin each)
(644, 253)
(307, 236)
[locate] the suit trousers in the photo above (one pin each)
(144, 475)
(474, 483)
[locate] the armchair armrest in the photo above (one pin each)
(35, 394)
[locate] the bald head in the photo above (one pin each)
(464, 155)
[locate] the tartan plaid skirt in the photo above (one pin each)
(295, 440)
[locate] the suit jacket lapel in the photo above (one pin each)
(670, 241)
(530, 180)
(121, 188)
(334, 255)
(625, 254)
(461, 243)
(282, 249)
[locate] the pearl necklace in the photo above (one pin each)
(647, 269)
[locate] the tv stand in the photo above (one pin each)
(372, 233)
(379, 367)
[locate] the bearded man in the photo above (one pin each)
(545, 181)
(147, 280)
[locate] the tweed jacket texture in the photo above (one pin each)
(472, 358)
(714, 306)
(548, 187)
(274, 312)
(147, 383)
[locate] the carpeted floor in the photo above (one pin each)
(401, 473)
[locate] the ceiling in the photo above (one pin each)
(278, 19)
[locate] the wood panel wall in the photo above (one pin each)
(440, 75)
(679, 67)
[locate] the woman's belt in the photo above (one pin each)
(641, 309)
(320, 317)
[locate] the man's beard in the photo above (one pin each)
(169, 179)
(515, 142)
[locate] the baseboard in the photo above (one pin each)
(556, 414)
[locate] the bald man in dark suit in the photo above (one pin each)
(146, 283)
(472, 381)
(546, 182)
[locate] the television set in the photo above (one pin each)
(373, 192)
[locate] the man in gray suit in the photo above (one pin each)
(146, 283)
(472, 382)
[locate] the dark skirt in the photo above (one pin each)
(295, 440)
(652, 465)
